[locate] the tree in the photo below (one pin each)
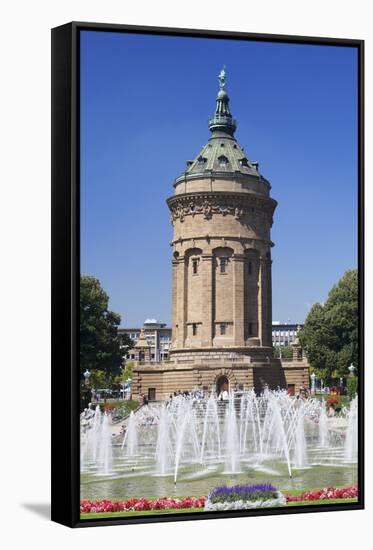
(352, 386)
(98, 379)
(101, 347)
(286, 352)
(125, 373)
(330, 333)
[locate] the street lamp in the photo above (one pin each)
(124, 386)
(351, 369)
(85, 390)
(313, 383)
(86, 375)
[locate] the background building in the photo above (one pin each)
(158, 337)
(284, 334)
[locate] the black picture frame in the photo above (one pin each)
(66, 271)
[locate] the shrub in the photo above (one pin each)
(242, 492)
(333, 402)
(351, 386)
(242, 497)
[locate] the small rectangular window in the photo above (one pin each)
(195, 267)
(223, 265)
(223, 328)
(194, 329)
(250, 267)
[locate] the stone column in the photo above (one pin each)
(238, 261)
(181, 302)
(265, 302)
(207, 300)
(174, 302)
(269, 300)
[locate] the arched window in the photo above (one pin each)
(222, 255)
(192, 259)
(202, 160)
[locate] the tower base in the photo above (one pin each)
(157, 381)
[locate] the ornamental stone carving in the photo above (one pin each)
(205, 206)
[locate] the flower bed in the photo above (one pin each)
(238, 497)
(325, 494)
(243, 497)
(140, 504)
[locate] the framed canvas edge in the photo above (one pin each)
(65, 139)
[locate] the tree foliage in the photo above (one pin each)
(352, 386)
(286, 352)
(101, 346)
(125, 373)
(98, 379)
(330, 333)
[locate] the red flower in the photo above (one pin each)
(325, 494)
(140, 504)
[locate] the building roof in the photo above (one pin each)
(287, 324)
(222, 154)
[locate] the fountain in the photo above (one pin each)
(232, 448)
(300, 455)
(190, 438)
(187, 443)
(130, 440)
(274, 431)
(350, 449)
(91, 440)
(164, 448)
(105, 454)
(210, 445)
(323, 427)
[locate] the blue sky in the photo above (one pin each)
(145, 103)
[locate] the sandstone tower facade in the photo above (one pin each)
(222, 214)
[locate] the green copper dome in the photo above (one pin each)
(222, 155)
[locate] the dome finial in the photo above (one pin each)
(222, 120)
(222, 78)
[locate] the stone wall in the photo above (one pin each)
(167, 378)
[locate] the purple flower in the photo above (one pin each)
(261, 491)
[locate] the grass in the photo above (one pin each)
(113, 515)
(320, 502)
(102, 515)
